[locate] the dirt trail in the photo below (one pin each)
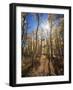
(42, 70)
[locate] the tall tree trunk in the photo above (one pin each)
(24, 32)
(51, 54)
(51, 71)
(37, 15)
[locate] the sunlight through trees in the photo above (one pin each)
(42, 44)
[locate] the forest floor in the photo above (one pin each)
(42, 67)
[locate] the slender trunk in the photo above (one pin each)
(51, 40)
(24, 33)
(52, 72)
(37, 32)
